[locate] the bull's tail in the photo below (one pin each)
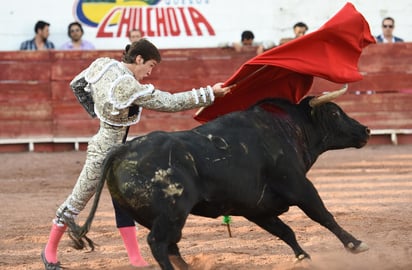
(78, 233)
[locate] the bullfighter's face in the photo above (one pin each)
(143, 68)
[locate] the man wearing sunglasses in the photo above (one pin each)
(388, 24)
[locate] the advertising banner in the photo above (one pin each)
(185, 23)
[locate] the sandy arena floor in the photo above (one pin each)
(369, 191)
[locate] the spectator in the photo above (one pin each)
(388, 24)
(299, 29)
(75, 33)
(135, 35)
(39, 42)
(247, 43)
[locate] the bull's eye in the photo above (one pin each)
(336, 114)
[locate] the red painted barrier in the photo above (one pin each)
(36, 102)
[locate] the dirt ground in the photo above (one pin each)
(369, 191)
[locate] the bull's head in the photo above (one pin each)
(337, 129)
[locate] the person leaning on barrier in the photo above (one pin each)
(247, 43)
(134, 35)
(299, 29)
(75, 32)
(39, 42)
(388, 25)
(111, 91)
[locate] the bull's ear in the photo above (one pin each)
(327, 96)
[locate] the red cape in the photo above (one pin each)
(332, 52)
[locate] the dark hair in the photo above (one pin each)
(301, 24)
(72, 24)
(389, 18)
(144, 48)
(40, 25)
(247, 35)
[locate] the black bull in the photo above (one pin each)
(250, 163)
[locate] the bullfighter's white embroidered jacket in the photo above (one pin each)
(115, 92)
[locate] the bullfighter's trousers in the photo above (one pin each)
(97, 149)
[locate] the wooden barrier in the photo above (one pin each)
(39, 112)
(382, 100)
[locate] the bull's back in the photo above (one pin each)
(228, 159)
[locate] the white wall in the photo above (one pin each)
(268, 19)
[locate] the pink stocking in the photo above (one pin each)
(56, 234)
(132, 247)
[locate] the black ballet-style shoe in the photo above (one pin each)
(50, 266)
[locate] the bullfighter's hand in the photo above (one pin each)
(220, 91)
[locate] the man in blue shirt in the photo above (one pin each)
(39, 42)
(388, 24)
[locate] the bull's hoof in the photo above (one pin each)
(302, 257)
(357, 249)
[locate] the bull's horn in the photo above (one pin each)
(327, 97)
